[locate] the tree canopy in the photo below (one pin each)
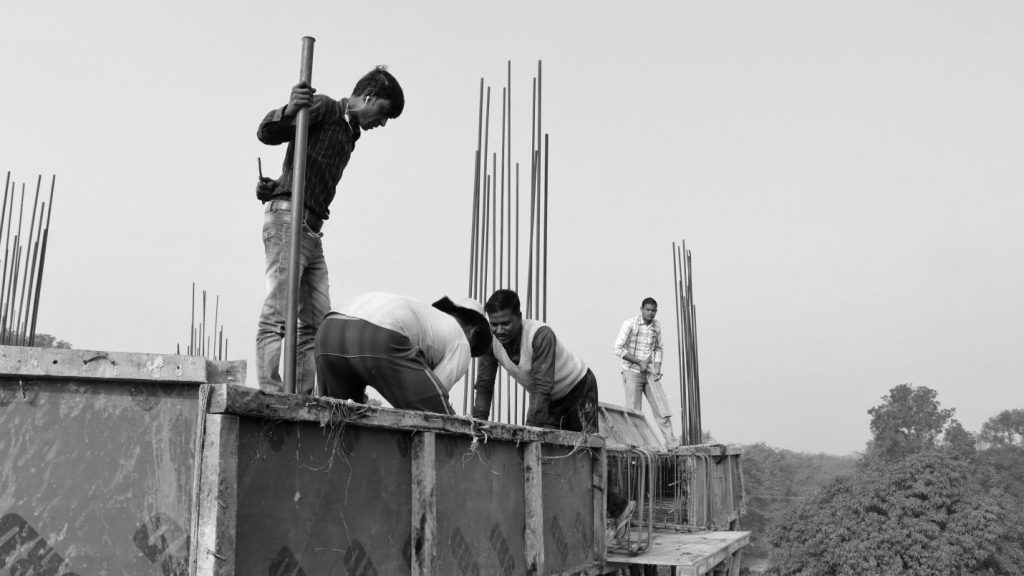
(1004, 429)
(921, 516)
(929, 497)
(908, 421)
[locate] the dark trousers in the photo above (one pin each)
(577, 411)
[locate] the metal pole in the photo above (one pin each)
(298, 197)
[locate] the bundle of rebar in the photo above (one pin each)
(201, 341)
(496, 239)
(21, 282)
(686, 337)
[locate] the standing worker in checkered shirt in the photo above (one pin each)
(639, 344)
(334, 127)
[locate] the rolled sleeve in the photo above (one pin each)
(275, 128)
(623, 338)
(658, 351)
(483, 389)
(542, 376)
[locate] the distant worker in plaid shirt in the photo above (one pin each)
(639, 344)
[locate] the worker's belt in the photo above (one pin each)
(314, 222)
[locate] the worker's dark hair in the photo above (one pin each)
(383, 85)
(503, 299)
(649, 300)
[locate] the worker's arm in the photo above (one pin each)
(542, 377)
(278, 126)
(658, 351)
(622, 345)
(483, 389)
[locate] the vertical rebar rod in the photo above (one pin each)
(192, 325)
(679, 347)
(12, 289)
(494, 222)
(500, 261)
(298, 217)
(547, 150)
(216, 314)
(8, 327)
(475, 238)
(28, 338)
(541, 303)
(533, 198)
(42, 262)
(508, 84)
(202, 329)
(485, 244)
(488, 191)
(3, 213)
(22, 336)
(7, 232)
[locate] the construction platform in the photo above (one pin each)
(689, 553)
(165, 465)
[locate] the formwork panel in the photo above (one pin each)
(480, 501)
(96, 477)
(322, 500)
(300, 486)
(568, 496)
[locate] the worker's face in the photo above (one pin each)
(375, 112)
(506, 327)
(648, 312)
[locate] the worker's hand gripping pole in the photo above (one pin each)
(298, 217)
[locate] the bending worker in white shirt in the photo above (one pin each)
(410, 352)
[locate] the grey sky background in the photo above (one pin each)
(847, 176)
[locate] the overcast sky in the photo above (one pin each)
(847, 175)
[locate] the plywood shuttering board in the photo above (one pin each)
(95, 477)
(322, 500)
(568, 497)
(480, 502)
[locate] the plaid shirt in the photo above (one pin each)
(332, 137)
(640, 340)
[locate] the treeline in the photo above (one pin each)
(927, 497)
(774, 480)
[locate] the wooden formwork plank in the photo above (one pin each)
(736, 563)
(600, 502)
(534, 509)
(693, 554)
(124, 366)
(217, 504)
(424, 503)
(249, 402)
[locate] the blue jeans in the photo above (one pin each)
(314, 302)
